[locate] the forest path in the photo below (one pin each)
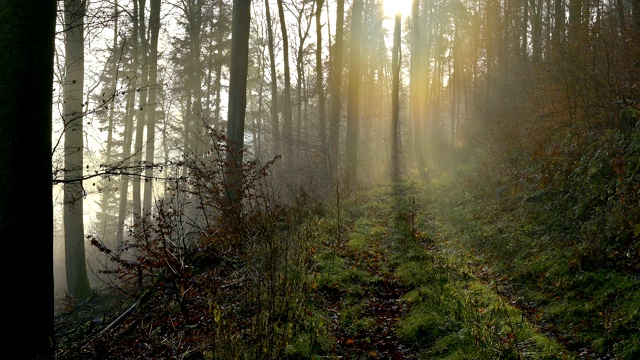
(365, 316)
(397, 287)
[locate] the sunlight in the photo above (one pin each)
(392, 7)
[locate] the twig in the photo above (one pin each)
(121, 317)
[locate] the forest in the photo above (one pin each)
(320, 179)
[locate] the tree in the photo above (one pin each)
(128, 126)
(287, 117)
(336, 89)
(275, 122)
(353, 106)
(141, 110)
(78, 284)
(417, 81)
(395, 97)
(240, 28)
(154, 27)
(319, 79)
(303, 33)
(26, 226)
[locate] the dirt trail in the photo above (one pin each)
(372, 333)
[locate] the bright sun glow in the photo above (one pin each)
(392, 7)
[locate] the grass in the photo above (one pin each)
(590, 307)
(435, 269)
(451, 313)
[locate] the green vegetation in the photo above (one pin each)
(561, 248)
(438, 269)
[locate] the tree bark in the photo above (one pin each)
(75, 260)
(395, 98)
(322, 134)
(154, 27)
(287, 123)
(240, 29)
(353, 107)
(275, 122)
(417, 81)
(336, 90)
(26, 213)
(128, 127)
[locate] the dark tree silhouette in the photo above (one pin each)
(237, 95)
(26, 206)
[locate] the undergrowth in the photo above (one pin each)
(371, 274)
(563, 251)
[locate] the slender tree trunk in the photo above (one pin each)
(26, 234)
(287, 124)
(218, 66)
(216, 115)
(336, 91)
(322, 126)
(257, 133)
(395, 97)
(107, 195)
(301, 88)
(140, 113)
(525, 30)
(416, 85)
(128, 127)
(75, 261)
(353, 107)
(275, 122)
(154, 27)
(237, 99)
(536, 32)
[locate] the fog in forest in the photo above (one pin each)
(468, 73)
(190, 67)
(186, 159)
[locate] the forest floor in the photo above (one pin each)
(419, 270)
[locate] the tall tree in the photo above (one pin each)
(128, 125)
(106, 229)
(417, 81)
(287, 116)
(395, 100)
(154, 29)
(240, 28)
(75, 260)
(26, 236)
(303, 28)
(322, 135)
(336, 89)
(191, 49)
(275, 122)
(353, 106)
(141, 110)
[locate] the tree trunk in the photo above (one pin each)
(416, 85)
(353, 107)
(395, 97)
(128, 127)
(26, 234)
(287, 123)
(275, 122)
(75, 260)
(322, 131)
(154, 27)
(336, 90)
(107, 195)
(237, 100)
(141, 113)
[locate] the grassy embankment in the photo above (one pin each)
(569, 285)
